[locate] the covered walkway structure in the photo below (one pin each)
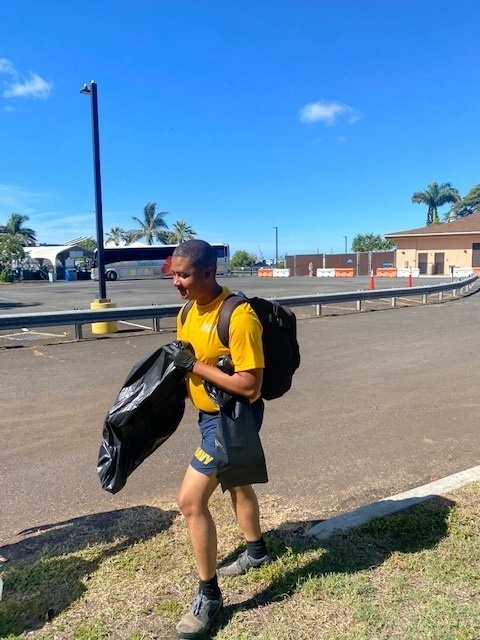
(60, 258)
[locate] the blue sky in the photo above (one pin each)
(318, 117)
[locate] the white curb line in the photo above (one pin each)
(385, 507)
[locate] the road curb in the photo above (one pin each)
(387, 506)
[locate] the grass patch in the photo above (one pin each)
(130, 575)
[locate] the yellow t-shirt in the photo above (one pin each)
(200, 329)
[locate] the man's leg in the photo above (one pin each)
(247, 512)
(193, 500)
(245, 505)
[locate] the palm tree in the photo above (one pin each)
(152, 223)
(130, 236)
(434, 196)
(26, 237)
(116, 235)
(181, 231)
(465, 206)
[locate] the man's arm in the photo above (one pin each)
(243, 383)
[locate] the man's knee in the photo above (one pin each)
(195, 492)
(187, 503)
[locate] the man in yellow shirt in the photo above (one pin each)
(193, 268)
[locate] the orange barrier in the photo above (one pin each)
(389, 272)
(265, 273)
(344, 273)
(476, 270)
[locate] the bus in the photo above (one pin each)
(124, 263)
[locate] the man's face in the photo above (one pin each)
(190, 282)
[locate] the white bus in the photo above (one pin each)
(123, 263)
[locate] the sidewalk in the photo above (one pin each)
(387, 506)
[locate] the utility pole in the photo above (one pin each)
(276, 247)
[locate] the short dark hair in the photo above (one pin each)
(200, 253)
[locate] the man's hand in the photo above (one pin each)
(182, 354)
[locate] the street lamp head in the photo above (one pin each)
(85, 90)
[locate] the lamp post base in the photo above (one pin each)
(102, 328)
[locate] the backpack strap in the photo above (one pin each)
(185, 309)
(229, 304)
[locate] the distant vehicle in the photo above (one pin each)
(128, 263)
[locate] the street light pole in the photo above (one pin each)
(345, 237)
(91, 90)
(276, 247)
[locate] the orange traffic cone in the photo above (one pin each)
(372, 281)
(410, 279)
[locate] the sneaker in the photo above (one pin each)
(242, 564)
(200, 617)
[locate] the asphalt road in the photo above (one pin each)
(35, 296)
(383, 402)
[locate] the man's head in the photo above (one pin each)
(200, 254)
(193, 266)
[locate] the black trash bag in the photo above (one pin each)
(238, 448)
(146, 412)
(216, 395)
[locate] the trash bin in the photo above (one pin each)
(70, 274)
(52, 276)
(430, 269)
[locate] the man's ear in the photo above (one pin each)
(208, 273)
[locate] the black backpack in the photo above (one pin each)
(280, 346)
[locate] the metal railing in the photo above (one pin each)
(80, 317)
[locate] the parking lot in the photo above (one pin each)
(382, 402)
(40, 296)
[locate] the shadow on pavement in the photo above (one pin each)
(42, 575)
(20, 305)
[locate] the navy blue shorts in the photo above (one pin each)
(204, 457)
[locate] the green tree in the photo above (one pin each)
(88, 243)
(152, 224)
(371, 242)
(465, 206)
(132, 235)
(14, 227)
(242, 260)
(434, 196)
(116, 235)
(10, 249)
(180, 232)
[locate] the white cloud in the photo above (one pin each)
(328, 113)
(13, 198)
(56, 227)
(341, 139)
(20, 86)
(7, 67)
(33, 87)
(51, 223)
